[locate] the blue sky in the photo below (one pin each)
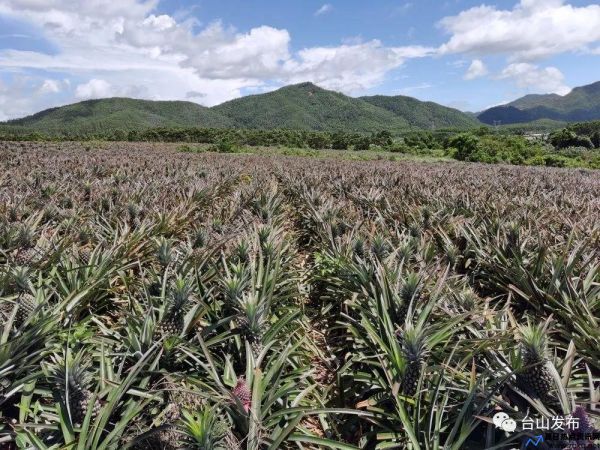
(462, 53)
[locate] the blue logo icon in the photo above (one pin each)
(535, 441)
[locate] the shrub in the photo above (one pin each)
(339, 141)
(567, 138)
(226, 146)
(596, 139)
(465, 145)
(362, 143)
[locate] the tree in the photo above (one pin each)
(382, 138)
(339, 141)
(566, 138)
(596, 139)
(362, 143)
(465, 145)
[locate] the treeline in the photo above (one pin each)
(250, 137)
(574, 146)
(562, 148)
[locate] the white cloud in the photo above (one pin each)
(326, 8)
(21, 95)
(349, 68)
(536, 79)
(533, 29)
(50, 87)
(477, 69)
(124, 48)
(94, 88)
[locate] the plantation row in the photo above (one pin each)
(151, 298)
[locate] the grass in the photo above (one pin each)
(349, 155)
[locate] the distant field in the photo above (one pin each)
(153, 295)
(351, 155)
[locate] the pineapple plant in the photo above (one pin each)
(251, 321)
(172, 322)
(26, 300)
(533, 358)
(414, 350)
(27, 254)
(72, 379)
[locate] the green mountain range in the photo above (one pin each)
(581, 104)
(302, 106)
(126, 114)
(424, 115)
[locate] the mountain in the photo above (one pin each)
(302, 106)
(581, 104)
(125, 114)
(423, 114)
(306, 106)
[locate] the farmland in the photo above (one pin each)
(157, 298)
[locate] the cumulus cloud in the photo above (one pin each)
(326, 8)
(349, 68)
(533, 29)
(536, 79)
(126, 49)
(477, 69)
(94, 88)
(50, 87)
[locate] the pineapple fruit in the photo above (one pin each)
(535, 374)
(414, 350)
(26, 300)
(242, 392)
(173, 320)
(73, 379)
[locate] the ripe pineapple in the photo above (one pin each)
(73, 380)
(414, 349)
(533, 354)
(242, 392)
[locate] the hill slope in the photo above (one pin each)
(121, 114)
(302, 106)
(423, 114)
(306, 106)
(581, 104)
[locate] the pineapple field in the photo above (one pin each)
(158, 299)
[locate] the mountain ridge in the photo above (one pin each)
(581, 104)
(303, 106)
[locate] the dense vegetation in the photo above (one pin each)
(117, 114)
(423, 115)
(581, 104)
(575, 146)
(298, 107)
(154, 299)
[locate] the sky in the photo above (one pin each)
(468, 54)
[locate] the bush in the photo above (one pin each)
(339, 141)
(465, 145)
(226, 146)
(567, 138)
(362, 143)
(318, 141)
(596, 139)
